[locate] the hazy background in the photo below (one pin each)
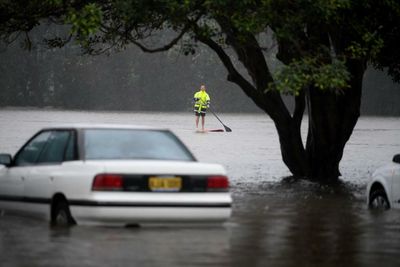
(132, 80)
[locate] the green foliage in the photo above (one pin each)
(370, 46)
(85, 21)
(296, 76)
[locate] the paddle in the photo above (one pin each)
(227, 129)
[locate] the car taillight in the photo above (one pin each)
(107, 182)
(217, 183)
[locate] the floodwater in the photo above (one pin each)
(276, 221)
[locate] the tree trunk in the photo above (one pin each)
(332, 118)
(292, 148)
(289, 131)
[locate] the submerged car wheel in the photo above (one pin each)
(62, 215)
(379, 200)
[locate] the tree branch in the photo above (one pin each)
(250, 54)
(159, 49)
(165, 47)
(233, 74)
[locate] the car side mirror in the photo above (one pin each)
(5, 159)
(396, 158)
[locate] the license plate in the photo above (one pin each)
(165, 184)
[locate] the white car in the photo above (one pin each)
(112, 174)
(383, 191)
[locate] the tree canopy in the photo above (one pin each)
(323, 47)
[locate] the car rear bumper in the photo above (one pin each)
(106, 208)
(138, 215)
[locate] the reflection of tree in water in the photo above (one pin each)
(325, 229)
(249, 228)
(297, 225)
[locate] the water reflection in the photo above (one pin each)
(305, 224)
(323, 230)
(33, 243)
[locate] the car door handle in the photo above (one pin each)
(22, 178)
(51, 178)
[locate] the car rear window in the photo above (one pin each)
(133, 144)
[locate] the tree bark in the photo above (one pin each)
(291, 143)
(332, 118)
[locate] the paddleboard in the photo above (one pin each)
(210, 131)
(215, 130)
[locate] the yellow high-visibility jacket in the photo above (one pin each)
(201, 101)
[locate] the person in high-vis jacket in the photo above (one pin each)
(201, 103)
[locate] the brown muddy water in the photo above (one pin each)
(275, 221)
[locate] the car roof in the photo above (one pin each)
(102, 126)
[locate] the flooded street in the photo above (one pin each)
(276, 221)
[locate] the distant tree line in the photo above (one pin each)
(132, 80)
(129, 80)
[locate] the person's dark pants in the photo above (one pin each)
(202, 114)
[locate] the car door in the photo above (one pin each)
(38, 186)
(12, 178)
(396, 187)
(11, 188)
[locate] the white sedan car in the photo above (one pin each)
(110, 174)
(383, 191)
